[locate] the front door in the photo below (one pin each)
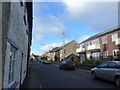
(82, 58)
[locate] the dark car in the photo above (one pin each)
(47, 62)
(109, 70)
(42, 61)
(67, 65)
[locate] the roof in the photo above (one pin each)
(55, 49)
(58, 48)
(70, 43)
(101, 34)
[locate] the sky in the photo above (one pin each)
(78, 20)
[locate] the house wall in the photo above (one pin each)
(110, 46)
(0, 45)
(17, 34)
(50, 56)
(69, 49)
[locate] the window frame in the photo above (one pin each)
(94, 42)
(12, 64)
(104, 40)
(114, 36)
(104, 63)
(114, 52)
(107, 54)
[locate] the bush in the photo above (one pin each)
(76, 62)
(88, 62)
(97, 62)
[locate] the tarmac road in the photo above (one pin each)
(50, 76)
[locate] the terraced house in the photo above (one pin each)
(66, 52)
(103, 46)
(15, 40)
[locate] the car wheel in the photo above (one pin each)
(93, 75)
(117, 81)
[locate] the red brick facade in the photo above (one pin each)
(108, 47)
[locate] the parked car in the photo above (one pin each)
(47, 62)
(42, 61)
(67, 65)
(109, 70)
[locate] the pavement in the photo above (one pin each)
(50, 76)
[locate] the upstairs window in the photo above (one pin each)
(104, 40)
(82, 46)
(64, 51)
(21, 3)
(114, 37)
(87, 44)
(95, 42)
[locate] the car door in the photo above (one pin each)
(101, 70)
(112, 70)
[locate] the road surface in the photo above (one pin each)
(50, 76)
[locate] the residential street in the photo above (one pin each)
(50, 76)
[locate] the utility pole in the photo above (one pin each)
(63, 44)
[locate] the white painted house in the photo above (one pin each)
(16, 41)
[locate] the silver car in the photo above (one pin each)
(109, 70)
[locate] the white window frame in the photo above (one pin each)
(81, 45)
(12, 64)
(96, 56)
(114, 36)
(105, 54)
(94, 42)
(104, 40)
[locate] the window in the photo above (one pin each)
(12, 64)
(21, 3)
(104, 65)
(114, 37)
(96, 56)
(24, 20)
(82, 46)
(87, 44)
(105, 54)
(104, 40)
(95, 42)
(64, 51)
(112, 65)
(115, 52)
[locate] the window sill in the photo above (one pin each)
(13, 84)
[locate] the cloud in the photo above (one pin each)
(48, 47)
(84, 37)
(47, 27)
(98, 15)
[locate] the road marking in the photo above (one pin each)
(40, 85)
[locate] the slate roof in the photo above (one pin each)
(101, 34)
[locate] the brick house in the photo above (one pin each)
(103, 46)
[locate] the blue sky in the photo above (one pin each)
(79, 21)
